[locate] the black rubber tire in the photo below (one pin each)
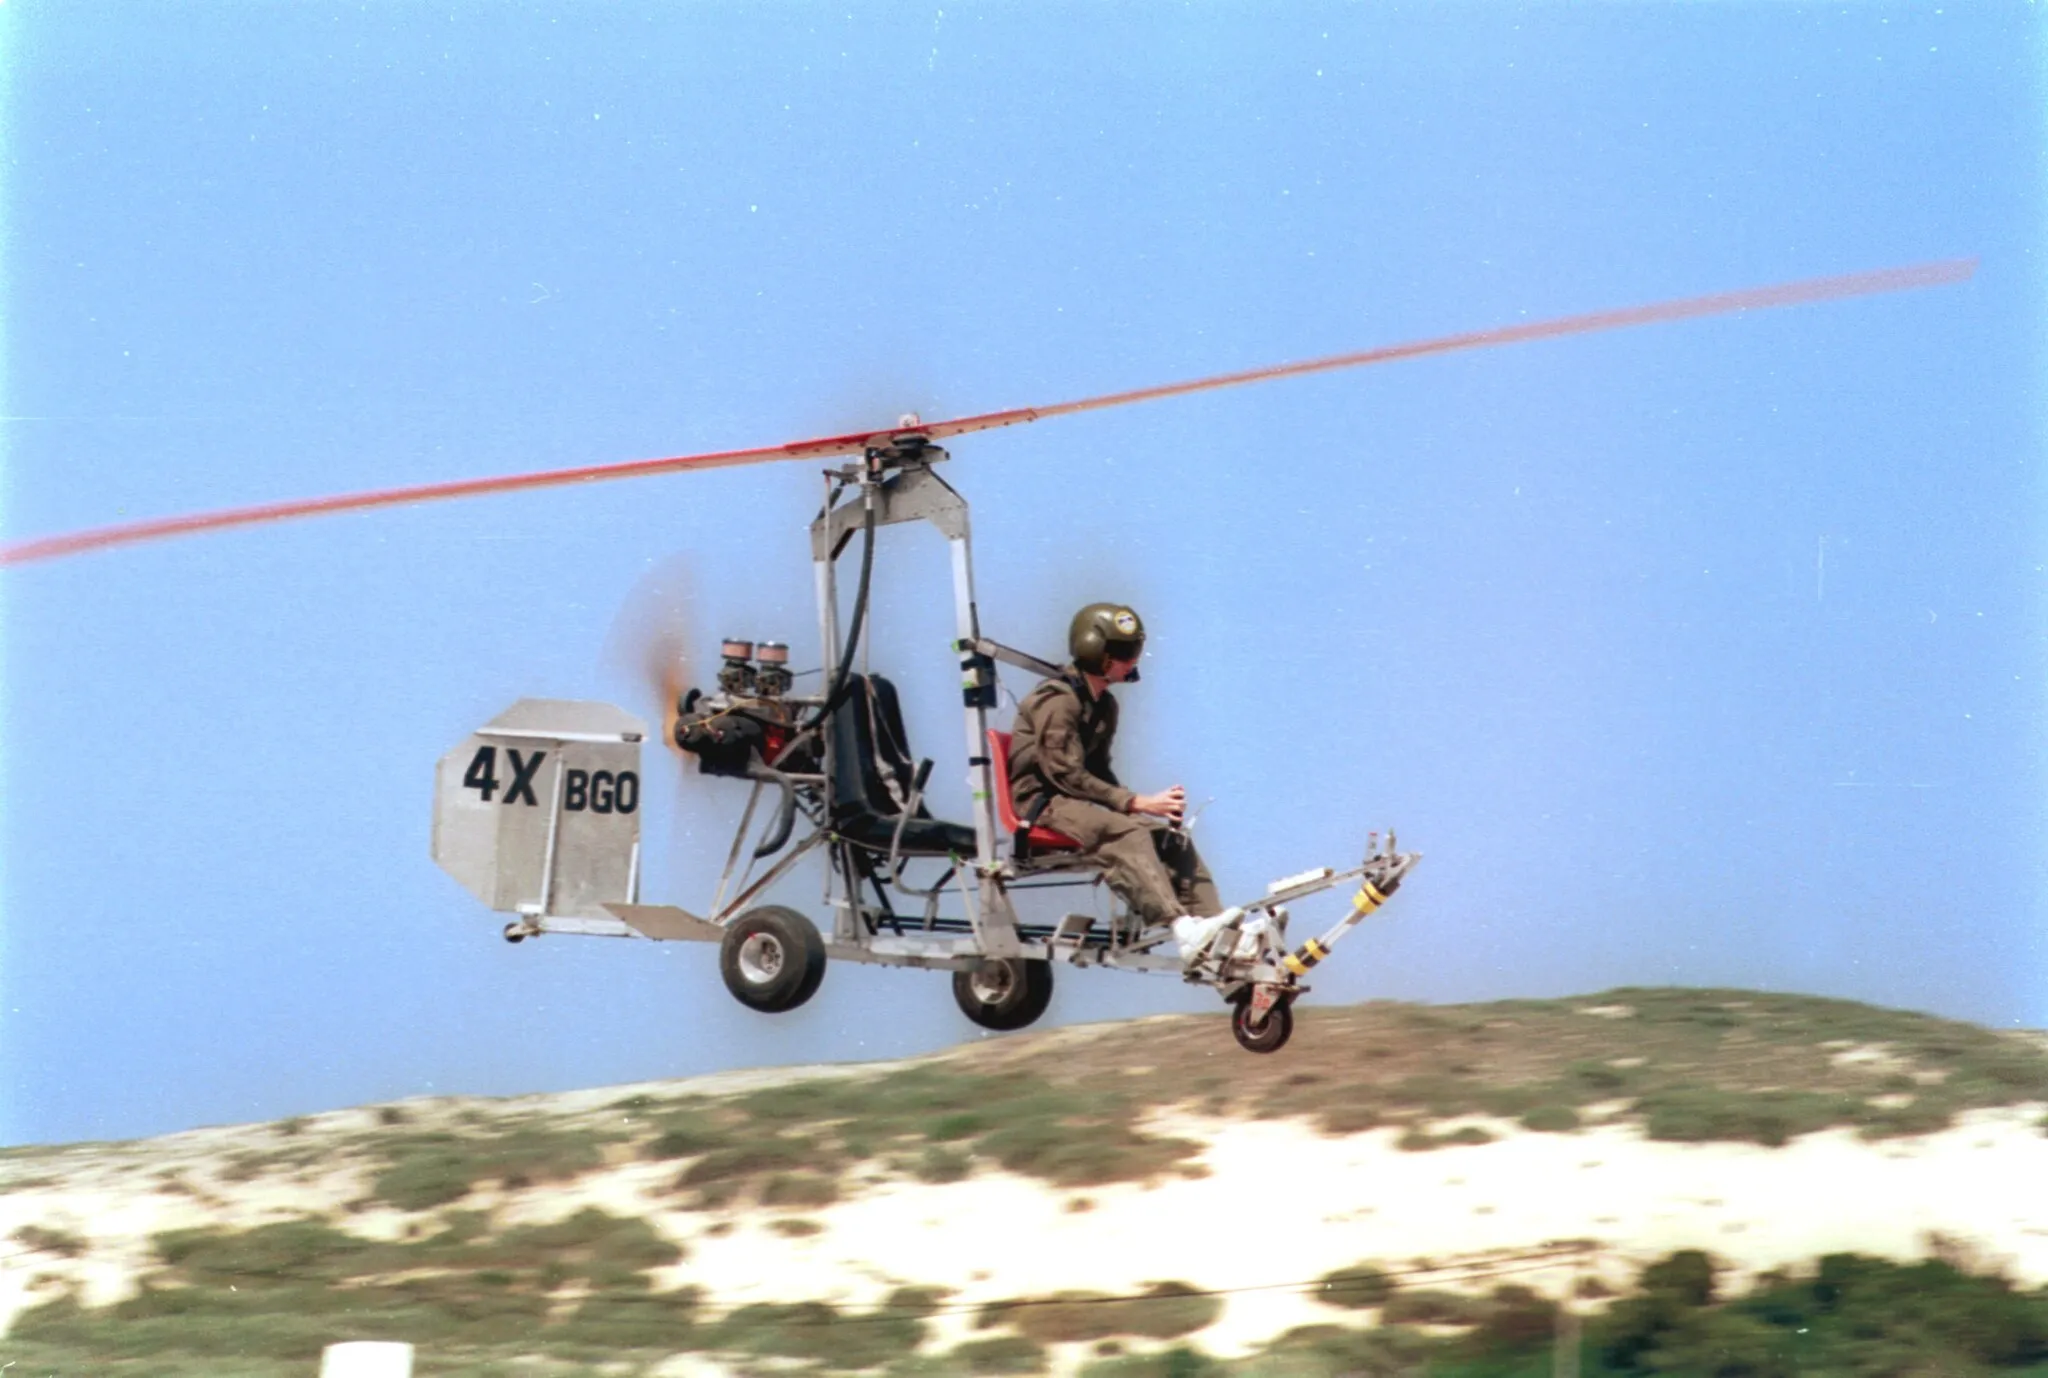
(1004, 993)
(772, 959)
(1272, 1036)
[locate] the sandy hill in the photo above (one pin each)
(1403, 1189)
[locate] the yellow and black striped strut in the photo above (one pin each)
(1314, 950)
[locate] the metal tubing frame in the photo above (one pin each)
(770, 876)
(732, 858)
(903, 488)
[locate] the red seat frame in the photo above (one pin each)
(1006, 812)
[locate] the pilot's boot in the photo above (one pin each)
(1197, 934)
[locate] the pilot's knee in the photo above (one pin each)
(1120, 827)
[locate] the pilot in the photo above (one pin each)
(1060, 778)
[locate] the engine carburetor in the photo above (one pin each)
(745, 725)
(771, 673)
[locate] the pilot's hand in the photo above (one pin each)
(1168, 803)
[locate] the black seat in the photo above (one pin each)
(873, 775)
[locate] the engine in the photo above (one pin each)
(750, 719)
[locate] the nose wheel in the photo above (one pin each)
(1262, 1033)
(1004, 993)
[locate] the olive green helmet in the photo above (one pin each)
(1104, 631)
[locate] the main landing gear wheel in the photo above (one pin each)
(1004, 993)
(1269, 1037)
(772, 959)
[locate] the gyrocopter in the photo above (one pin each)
(537, 813)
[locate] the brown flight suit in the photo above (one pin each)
(1060, 778)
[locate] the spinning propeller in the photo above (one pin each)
(650, 638)
(1754, 298)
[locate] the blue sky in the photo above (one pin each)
(1707, 653)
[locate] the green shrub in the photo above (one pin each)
(287, 1289)
(1417, 1139)
(1064, 1135)
(1430, 1307)
(1515, 1319)
(799, 1189)
(916, 1301)
(1551, 1119)
(682, 1142)
(1178, 1362)
(426, 1178)
(745, 1161)
(941, 1164)
(816, 1331)
(1362, 1286)
(1070, 1154)
(305, 1250)
(1687, 1275)
(1002, 1354)
(797, 1330)
(664, 1321)
(603, 1249)
(957, 1126)
(1328, 1351)
(1851, 1316)
(45, 1361)
(436, 1169)
(62, 1243)
(1692, 1114)
(1168, 1310)
(1440, 1095)
(1351, 1119)
(1164, 1311)
(1599, 1078)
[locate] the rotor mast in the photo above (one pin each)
(893, 483)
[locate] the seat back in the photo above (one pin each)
(999, 764)
(872, 768)
(1040, 838)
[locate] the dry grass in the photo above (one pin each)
(1062, 1106)
(1689, 1064)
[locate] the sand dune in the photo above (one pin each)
(1260, 1208)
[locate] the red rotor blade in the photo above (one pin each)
(50, 547)
(1720, 303)
(1749, 299)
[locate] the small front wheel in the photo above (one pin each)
(1004, 993)
(772, 959)
(1268, 1037)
